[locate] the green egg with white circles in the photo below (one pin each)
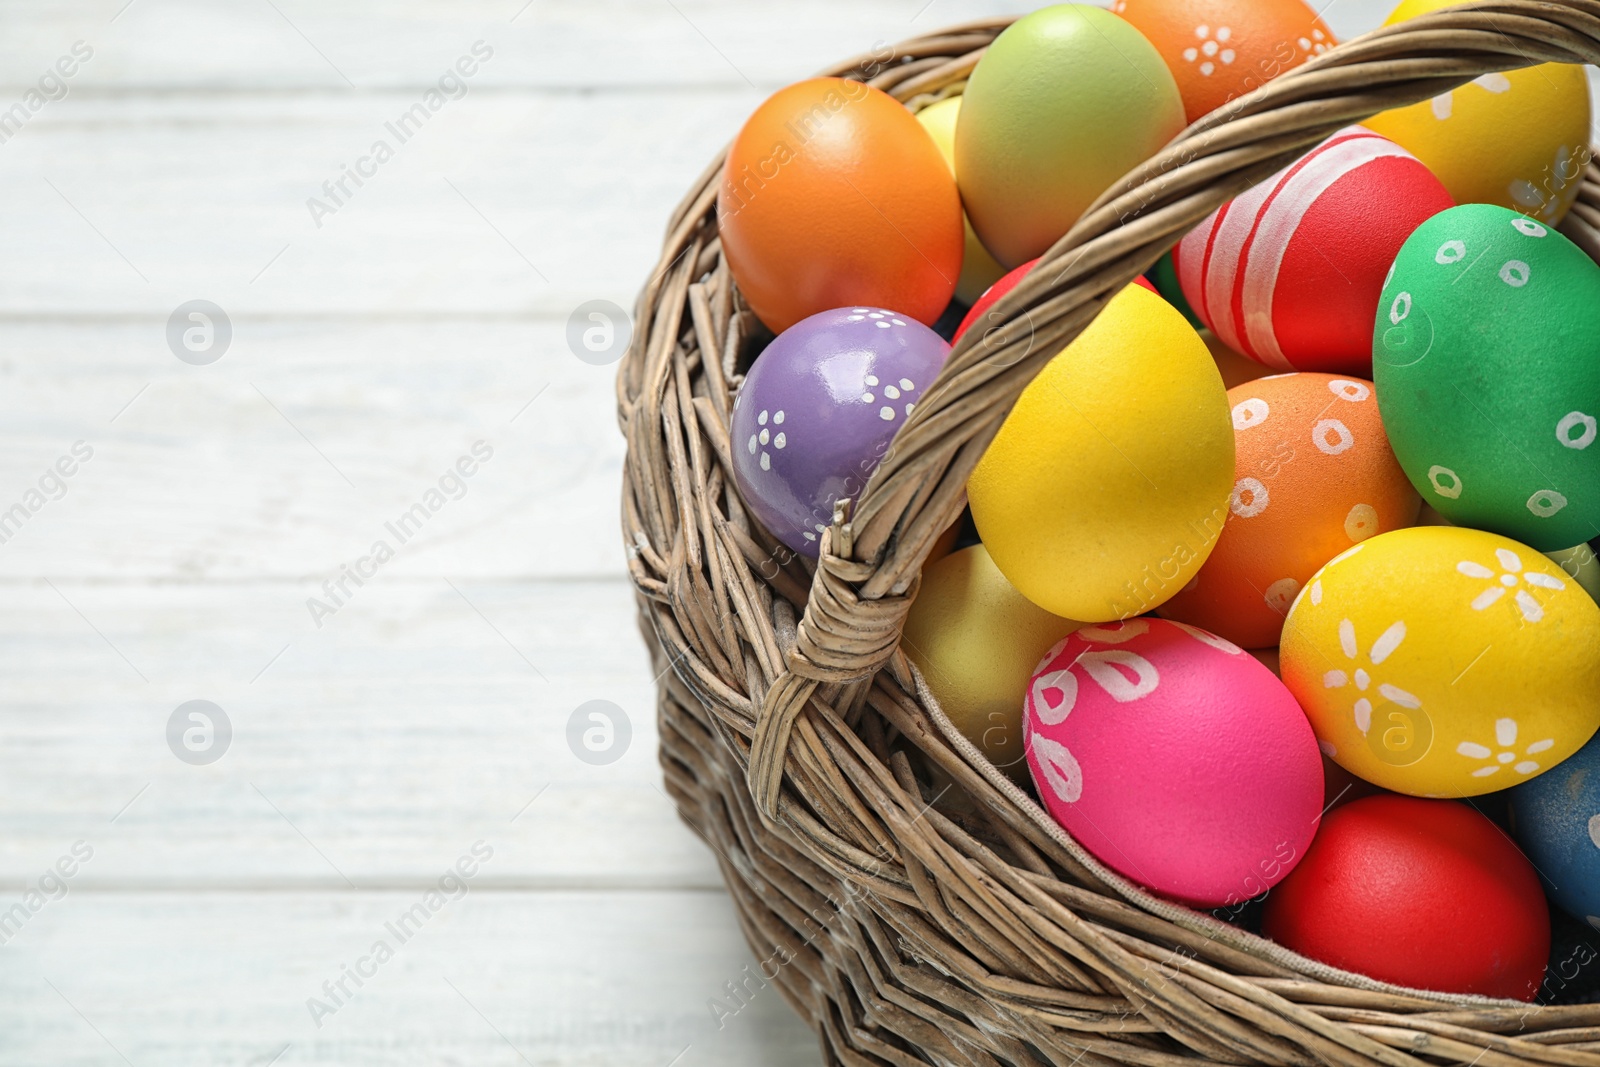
(1486, 355)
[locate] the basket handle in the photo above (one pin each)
(872, 556)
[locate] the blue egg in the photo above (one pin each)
(1556, 818)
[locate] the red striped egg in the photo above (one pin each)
(1290, 272)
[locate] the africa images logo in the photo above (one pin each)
(453, 884)
(452, 85)
(452, 485)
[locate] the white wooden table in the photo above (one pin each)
(371, 347)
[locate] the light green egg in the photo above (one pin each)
(1065, 101)
(1486, 355)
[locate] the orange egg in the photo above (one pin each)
(1314, 475)
(833, 194)
(1219, 50)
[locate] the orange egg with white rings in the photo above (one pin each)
(1314, 476)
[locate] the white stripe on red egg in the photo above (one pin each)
(1190, 260)
(1341, 156)
(1225, 259)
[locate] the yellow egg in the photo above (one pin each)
(1581, 563)
(977, 642)
(1518, 139)
(1446, 662)
(1108, 483)
(978, 268)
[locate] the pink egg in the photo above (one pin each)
(1175, 757)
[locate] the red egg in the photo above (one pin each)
(1008, 282)
(1427, 894)
(1290, 273)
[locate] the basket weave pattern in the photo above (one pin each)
(908, 921)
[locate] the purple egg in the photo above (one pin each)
(818, 409)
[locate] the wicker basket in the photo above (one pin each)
(910, 922)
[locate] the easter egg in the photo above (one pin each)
(976, 641)
(1175, 758)
(1219, 50)
(833, 195)
(978, 268)
(1518, 139)
(1556, 818)
(1426, 894)
(1442, 661)
(1106, 486)
(1313, 476)
(1289, 272)
(1065, 102)
(1486, 352)
(818, 409)
(979, 312)
(1582, 565)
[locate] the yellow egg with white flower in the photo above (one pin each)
(1518, 139)
(1445, 662)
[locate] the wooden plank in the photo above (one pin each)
(563, 44)
(368, 749)
(491, 978)
(500, 206)
(205, 474)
